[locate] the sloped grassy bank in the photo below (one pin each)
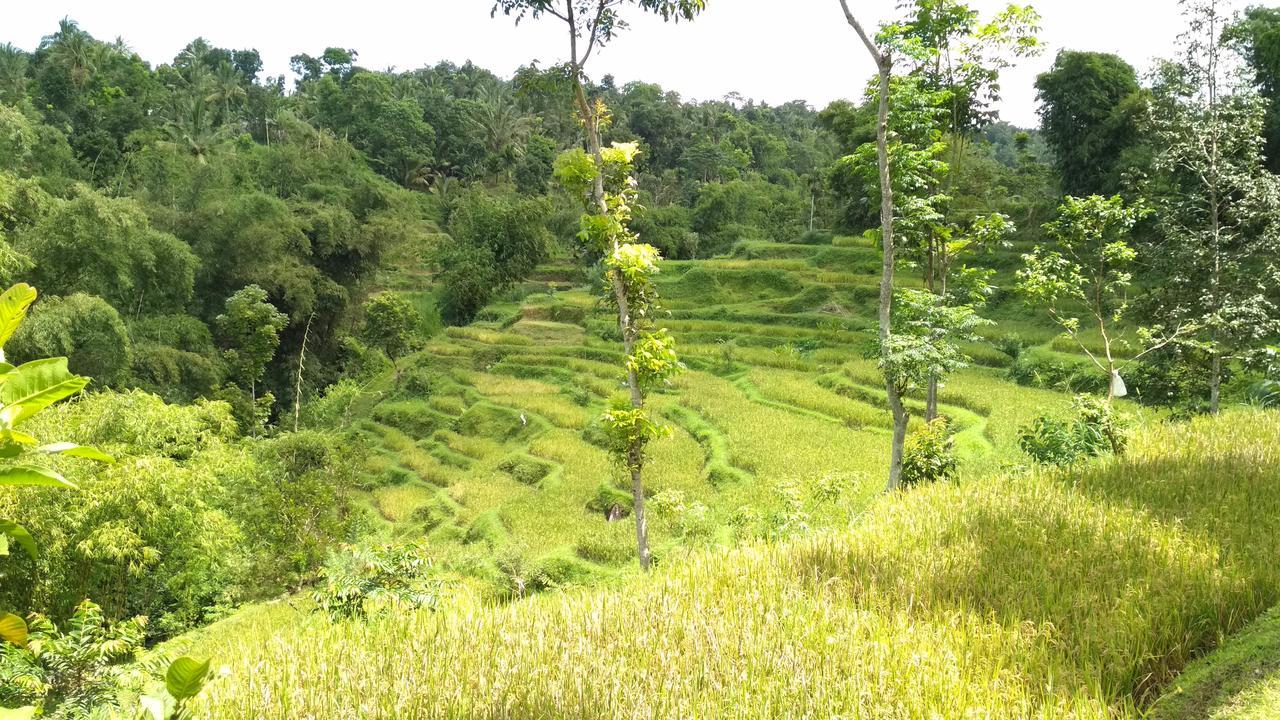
(1058, 595)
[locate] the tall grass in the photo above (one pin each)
(1071, 595)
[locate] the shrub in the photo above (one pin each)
(929, 455)
(83, 328)
(611, 501)
(611, 544)
(526, 469)
(412, 417)
(559, 570)
(1096, 428)
(358, 580)
(817, 237)
(1011, 344)
(1036, 369)
(65, 672)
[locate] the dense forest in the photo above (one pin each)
(365, 386)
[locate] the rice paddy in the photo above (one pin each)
(788, 585)
(1061, 595)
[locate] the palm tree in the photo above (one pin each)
(502, 127)
(190, 125)
(74, 49)
(13, 73)
(226, 88)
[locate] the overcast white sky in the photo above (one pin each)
(771, 50)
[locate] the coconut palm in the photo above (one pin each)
(501, 126)
(226, 88)
(74, 49)
(13, 73)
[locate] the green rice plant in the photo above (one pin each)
(1054, 595)
(398, 503)
(487, 337)
(718, 468)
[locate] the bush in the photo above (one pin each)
(356, 581)
(412, 417)
(526, 469)
(1011, 344)
(817, 237)
(1035, 368)
(83, 328)
(611, 501)
(611, 544)
(929, 455)
(1096, 428)
(63, 672)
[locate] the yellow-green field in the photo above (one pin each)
(1052, 595)
(779, 412)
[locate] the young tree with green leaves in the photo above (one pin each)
(1088, 272)
(1216, 203)
(956, 59)
(605, 178)
(391, 324)
(250, 327)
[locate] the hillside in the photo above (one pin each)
(490, 445)
(1071, 594)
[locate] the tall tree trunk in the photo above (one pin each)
(635, 456)
(884, 64)
(1215, 385)
(884, 69)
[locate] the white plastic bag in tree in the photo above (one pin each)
(1117, 385)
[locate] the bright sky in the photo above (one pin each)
(754, 47)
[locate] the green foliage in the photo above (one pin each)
(86, 330)
(183, 680)
(360, 580)
(250, 331)
(929, 455)
(391, 324)
(497, 241)
(1093, 429)
(1090, 109)
(925, 338)
(68, 672)
(130, 264)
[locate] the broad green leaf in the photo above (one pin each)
(13, 629)
(17, 437)
(13, 308)
(27, 475)
(19, 535)
(22, 713)
(35, 386)
(74, 450)
(185, 677)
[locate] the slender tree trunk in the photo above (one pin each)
(635, 457)
(884, 68)
(1215, 385)
(297, 387)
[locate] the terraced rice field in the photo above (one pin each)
(780, 404)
